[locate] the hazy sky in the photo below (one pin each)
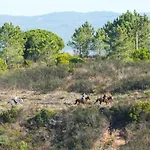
(39, 7)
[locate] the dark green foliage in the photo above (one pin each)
(140, 112)
(118, 115)
(41, 119)
(76, 60)
(65, 58)
(81, 40)
(98, 42)
(125, 34)
(3, 141)
(10, 116)
(3, 65)
(12, 41)
(141, 54)
(79, 128)
(42, 45)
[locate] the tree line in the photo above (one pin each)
(126, 38)
(18, 47)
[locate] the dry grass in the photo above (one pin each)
(94, 77)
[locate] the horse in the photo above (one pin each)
(106, 100)
(80, 101)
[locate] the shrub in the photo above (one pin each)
(141, 54)
(39, 78)
(131, 83)
(23, 145)
(138, 137)
(140, 112)
(27, 63)
(63, 58)
(118, 115)
(76, 59)
(41, 119)
(81, 86)
(79, 128)
(10, 116)
(3, 141)
(3, 65)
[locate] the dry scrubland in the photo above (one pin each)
(49, 120)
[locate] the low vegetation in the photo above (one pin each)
(32, 61)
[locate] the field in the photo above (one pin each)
(48, 118)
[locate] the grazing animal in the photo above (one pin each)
(80, 101)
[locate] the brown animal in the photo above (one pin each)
(107, 98)
(80, 101)
(102, 100)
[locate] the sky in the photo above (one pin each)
(40, 7)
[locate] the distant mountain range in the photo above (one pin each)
(61, 23)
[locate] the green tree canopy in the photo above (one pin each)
(42, 45)
(12, 44)
(127, 33)
(98, 44)
(82, 40)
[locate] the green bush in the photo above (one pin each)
(78, 129)
(41, 119)
(23, 145)
(27, 63)
(140, 112)
(141, 54)
(76, 60)
(3, 141)
(3, 65)
(10, 116)
(63, 58)
(118, 115)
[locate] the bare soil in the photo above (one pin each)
(54, 100)
(110, 141)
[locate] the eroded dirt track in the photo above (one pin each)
(110, 141)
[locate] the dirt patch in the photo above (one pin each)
(110, 141)
(55, 100)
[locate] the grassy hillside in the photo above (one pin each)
(49, 120)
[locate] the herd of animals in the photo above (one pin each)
(106, 98)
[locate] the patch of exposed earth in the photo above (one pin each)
(58, 99)
(110, 141)
(55, 100)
